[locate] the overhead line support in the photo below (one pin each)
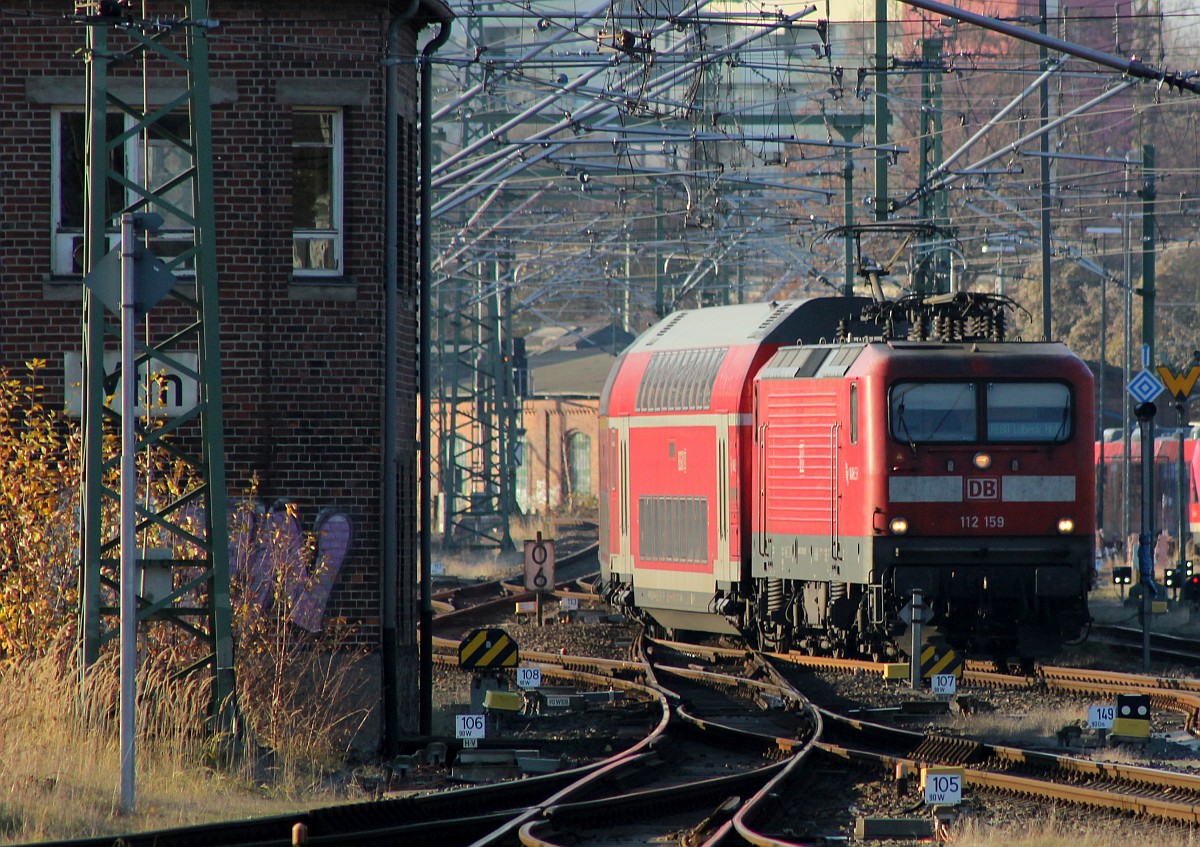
(1130, 67)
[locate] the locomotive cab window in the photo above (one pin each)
(934, 412)
(1008, 412)
(1029, 411)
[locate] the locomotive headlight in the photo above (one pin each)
(983, 461)
(898, 526)
(1065, 526)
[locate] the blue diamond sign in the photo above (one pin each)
(1145, 386)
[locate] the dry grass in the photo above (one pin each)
(60, 762)
(473, 563)
(1033, 728)
(1053, 831)
(490, 563)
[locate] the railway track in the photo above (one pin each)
(1162, 645)
(734, 736)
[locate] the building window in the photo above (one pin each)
(316, 193)
(158, 154)
(522, 477)
(579, 448)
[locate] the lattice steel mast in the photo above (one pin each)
(193, 526)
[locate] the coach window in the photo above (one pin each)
(933, 412)
(160, 152)
(1029, 411)
(525, 453)
(316, 193)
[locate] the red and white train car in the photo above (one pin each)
(784, 471)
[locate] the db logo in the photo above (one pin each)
(983, 488)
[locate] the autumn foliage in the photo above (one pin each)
(297, 686)
(39, 505)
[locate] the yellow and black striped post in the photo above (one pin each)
(487, 648)
(939, 660)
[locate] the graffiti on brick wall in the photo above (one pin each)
(271, 557)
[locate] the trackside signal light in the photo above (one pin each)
(1122, 575)
(898, 526)
(1065, 526)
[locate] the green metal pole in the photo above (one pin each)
(660, 296)
(848, 221)
(881, 109)
(931, 124)
(213, 418)
(1149, 192)
(95, 246)
(1044, 142)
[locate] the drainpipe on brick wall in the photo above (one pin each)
(425, 374)
(389, 644)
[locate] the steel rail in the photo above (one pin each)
(715, 827)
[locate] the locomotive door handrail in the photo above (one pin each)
(835, 546)
(761, 437)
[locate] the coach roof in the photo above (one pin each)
(782, 322)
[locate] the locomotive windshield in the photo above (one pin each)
(1025, 412)
(1028, 411)
(934, 411)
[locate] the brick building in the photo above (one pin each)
(298, 107)
(561, 448)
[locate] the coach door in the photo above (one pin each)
(760, 460)
(722, 568)
(622, 559)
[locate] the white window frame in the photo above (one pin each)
(335, 233)
(67, 242)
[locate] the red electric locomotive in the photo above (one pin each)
(793, 471)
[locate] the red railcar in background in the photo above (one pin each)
(1169, 498)
(794, 471)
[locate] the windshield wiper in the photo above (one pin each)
(1066, 417)
(912, 445)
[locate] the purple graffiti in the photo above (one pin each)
(333, 543)
(269, 557)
